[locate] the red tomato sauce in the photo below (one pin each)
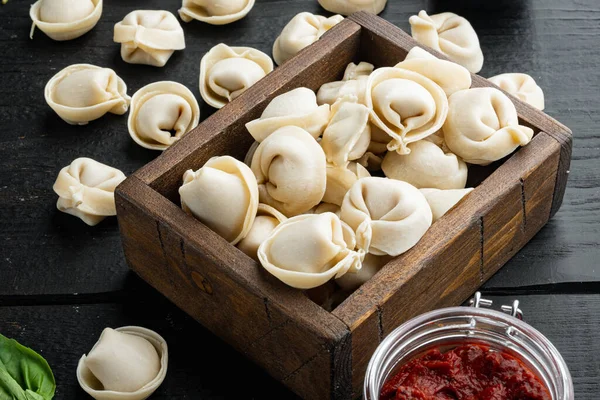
(467, 372)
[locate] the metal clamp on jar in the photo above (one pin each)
(448, 328)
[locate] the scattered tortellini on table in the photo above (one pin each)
(227, 72)
(86, 189)
(149, 37)
(161, 113)
(303, 30)
(127, 363)
(215, 12)
(65, 19)
(347, 7)
(81, 93)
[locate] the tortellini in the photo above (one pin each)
(441, 201)
(370, 266)
(388, 216)
(215, 12)
(65, 19)
(303, 30)
(348, 134)
(353, 83)
(450, 76)
(227, 72)
(86, 189)
(127, 363)
(149, 37)
(483, 126)
(451, 35)
(347, 7)
(267, 219)
(157, 110)
(340, 180)
(327, 207)
(290, 171)
(426, 166)
(297, 107)
(83, 92)
(223, 195)
(406, 105)
(522, 86)
(308, 250)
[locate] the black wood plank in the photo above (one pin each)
(46, 252)
(203, 367)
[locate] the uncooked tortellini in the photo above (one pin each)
(388, 216)
(215, 12)
(347, 7)
(348, 133)
(370, 266)
(441, 201)
(353, 83)
(340, 180)
(267, 219)
(227, 72)
(406, 105)
(149, 37)
(223, 195)
(127, 363)
(426, 166)
(448, 75)
(86, 189)
(303, 30)
(290, 170)
(297, 107)
(157, 110)
(308, 250)
(83, 92)
(522, 86)
(65, 19)
(483, 126)
(451, 35)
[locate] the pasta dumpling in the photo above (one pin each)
(297, 107)
(370, 266)
(388, 216)
(522, 86)
(227, 72)
(149, 37)
(348, 134)
(347, 7)
(215, 12)
(290, 170)
(327, 207)
(65, 19)
(308, 250)
(353, 83)
(450, 76)
(340, 180)
(86, 189)
(483, 126)
(441, 201)
(267, 219)
(451, 35)
(406, 105)
(426, 166)
(126, 363)
(157, 110)
(83, 92)
(223, 195)
(302, 30)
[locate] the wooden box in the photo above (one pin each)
(321, 354)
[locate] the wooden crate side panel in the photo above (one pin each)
(224, 132)
(278, 338)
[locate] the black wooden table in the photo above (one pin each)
(62, 282)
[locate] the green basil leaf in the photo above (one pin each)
(9, 388)
(28, 369)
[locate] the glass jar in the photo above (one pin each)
(448, 327)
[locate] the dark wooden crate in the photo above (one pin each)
(322, 354)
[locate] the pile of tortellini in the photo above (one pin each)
(339, 181)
